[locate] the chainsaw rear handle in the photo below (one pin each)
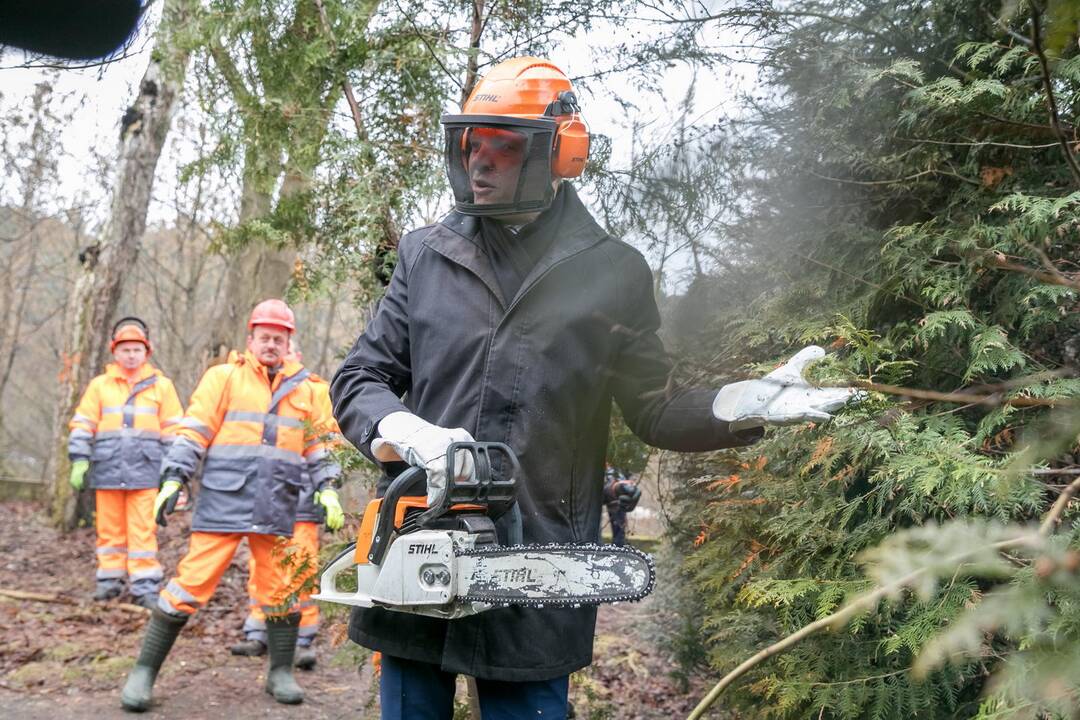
(496, 495)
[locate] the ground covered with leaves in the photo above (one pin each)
(64, 656)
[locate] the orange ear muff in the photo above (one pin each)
(571, 150)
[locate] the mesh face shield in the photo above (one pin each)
(499, 165)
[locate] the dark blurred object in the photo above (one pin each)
(75, 29)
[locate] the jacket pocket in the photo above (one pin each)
(105, 449)
(292, 476)
(227, 475)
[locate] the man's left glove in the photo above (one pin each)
(165, 502)
(78, 474)
(782, 397)
(335, 516)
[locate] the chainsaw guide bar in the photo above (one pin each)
(554, 575)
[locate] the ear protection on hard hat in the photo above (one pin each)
(571, 150)
(131, 329)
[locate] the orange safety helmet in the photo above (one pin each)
(273, 312)
(531, 97)
(131, 329)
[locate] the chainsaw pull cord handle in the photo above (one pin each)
(384, 526)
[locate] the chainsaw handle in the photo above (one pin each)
(495, 494)
(384, 526)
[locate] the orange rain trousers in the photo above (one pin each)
(208, 556)
(127, 536)
(306, 538)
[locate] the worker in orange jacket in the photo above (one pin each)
(309, 517)
(118, 434)
(256, 425)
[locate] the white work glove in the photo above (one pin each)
(406, 437)
(782, 397)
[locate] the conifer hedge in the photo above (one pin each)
(904, 193)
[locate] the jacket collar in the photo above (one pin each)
(145, 370)
(287, 369)
(456, 237)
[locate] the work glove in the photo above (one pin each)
(406, 437)
(623, 492)
(782, 397)
(78, 474)
(165, 502)
(335, 516)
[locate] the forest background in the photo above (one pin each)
(899, 184)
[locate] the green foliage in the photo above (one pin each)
(902, 199)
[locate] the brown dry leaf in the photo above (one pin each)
(824, 445)
(844, 474)
(725, 483)
(339, 633)
(755, 551)
(992, 176)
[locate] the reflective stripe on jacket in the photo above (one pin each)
(121, 428)
(306, 509)
(256, 441)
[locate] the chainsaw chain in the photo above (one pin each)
(499, 601)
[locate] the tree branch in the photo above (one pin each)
(1055, 278)
(843, 615)
(346, 86)
(233, 79)
(1051, 102)
(958, 397)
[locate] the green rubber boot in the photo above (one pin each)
(281, 636)
(160, 635)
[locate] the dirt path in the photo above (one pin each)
(66, 660)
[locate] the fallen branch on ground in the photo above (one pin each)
(37, 597)
(55, 598)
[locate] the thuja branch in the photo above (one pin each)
(966, 398)
(870, 600)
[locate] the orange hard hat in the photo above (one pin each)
(131, 329)
(532, 99)
(273, 312)
(535, 88)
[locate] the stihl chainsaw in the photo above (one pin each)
(444, 560)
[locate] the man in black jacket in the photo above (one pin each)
(518, 319)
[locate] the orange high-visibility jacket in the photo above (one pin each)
(256, 441)
(306, 509)
(122, 428)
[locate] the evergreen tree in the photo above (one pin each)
(903, 192)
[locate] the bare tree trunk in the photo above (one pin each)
(94, 299)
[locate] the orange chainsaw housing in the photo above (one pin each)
(371, 517)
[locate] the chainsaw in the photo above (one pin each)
(443, 558)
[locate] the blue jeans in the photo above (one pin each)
(410, 690)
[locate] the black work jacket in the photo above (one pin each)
(538, 372)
